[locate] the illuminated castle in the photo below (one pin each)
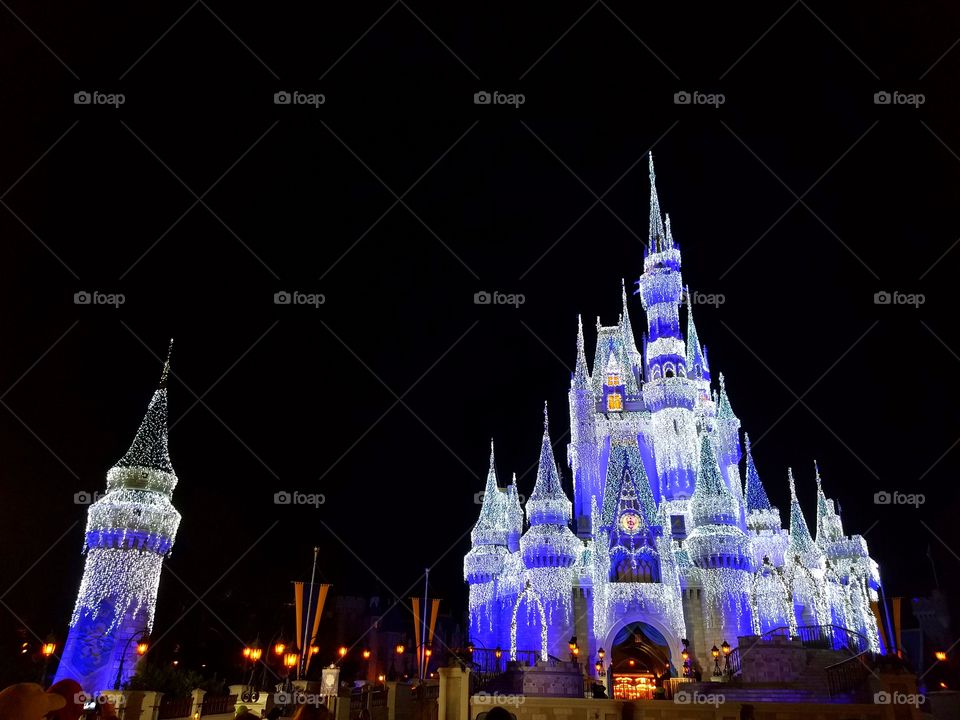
(668, 537)
(130, 529)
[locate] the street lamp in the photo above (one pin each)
(366, 654)
(940, 655)
(715, 651)
(574, 650)
(141, 638)
(342, 651)
(400, 648)
(725, 647)
(290, 659)
(279, 648)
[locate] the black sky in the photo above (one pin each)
(798, 199)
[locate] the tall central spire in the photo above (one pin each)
(658, 234)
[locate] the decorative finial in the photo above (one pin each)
(546, 419)
(793, 488)
(816, 470)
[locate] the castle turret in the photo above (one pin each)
(802, 548)
(489, 537)
(484, 564)
(720, 549)
(764, 525)
(549, 550)
(582, 450)
(129, 532)
(667, 393)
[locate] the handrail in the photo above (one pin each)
(831, 637)
(847, 675)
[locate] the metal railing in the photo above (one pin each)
(827, 637)
(850, 674)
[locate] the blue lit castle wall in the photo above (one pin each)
(670, 527)
(130, 530)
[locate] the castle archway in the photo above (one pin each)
(641, 652)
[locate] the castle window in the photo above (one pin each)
(613, 379)
(614, 402)
(668, 370)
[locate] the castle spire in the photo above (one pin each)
(629, 339)
(668, 231)
(695, 359)
(149, 448)
(658, 235)
(800, 540)
(711, 503)
(491, 527)
(581, 374)
(724, 410)
(548, 504)
(755, 493)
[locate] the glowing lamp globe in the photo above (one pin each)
(279, 648)
(342, 651)
(49, 648)
(142, 648)
(366, 654)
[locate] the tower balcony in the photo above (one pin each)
(483, 563)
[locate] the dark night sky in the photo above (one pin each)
(306, 399)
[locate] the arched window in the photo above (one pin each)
(668, 370)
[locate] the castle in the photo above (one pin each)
(130, 529)
(668, 545)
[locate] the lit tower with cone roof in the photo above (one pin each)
(130, 530)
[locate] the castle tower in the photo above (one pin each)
(129, 532)
(719, 548)
(805, 566)
(484, 564)
(549, 551)
(764, 525)
(667, 393)
(582, 451)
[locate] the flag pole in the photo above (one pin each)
(423, 626)
(305, 649)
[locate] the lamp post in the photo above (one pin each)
(142, 647)
(574, 649)
(47, 649)
(685, 654)
(599, 665)
(725, 647)
(715, 651)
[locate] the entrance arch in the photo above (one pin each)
(641, 651)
